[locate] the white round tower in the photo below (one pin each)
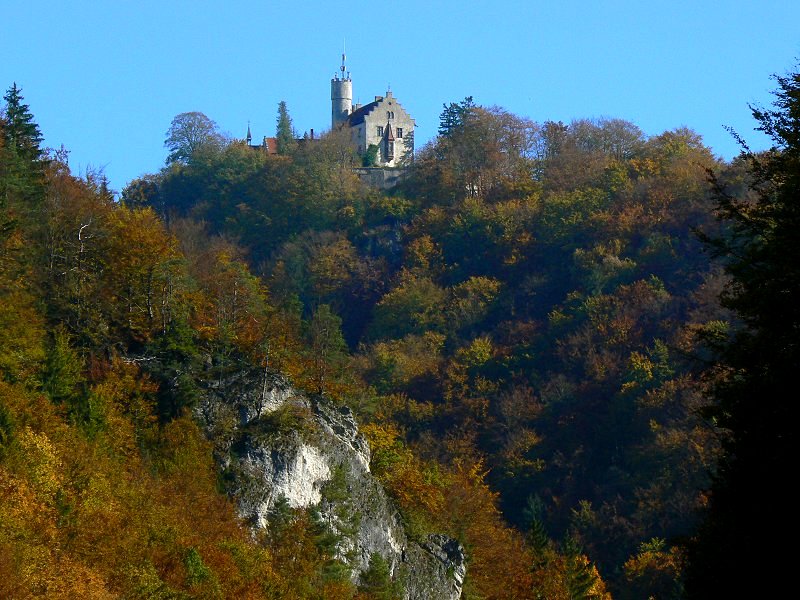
(341, 96)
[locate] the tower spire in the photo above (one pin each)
(343, 68)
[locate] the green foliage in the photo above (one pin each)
(327, 348)
(334, 536)
(376, 582)
(144, 583)
(20, 132)
(62, 376)
(528, 301)
(6, 428)
(189, 136)
(416, 305)
(22, 161)
(196, 571)
(177, 368)
(277, 425)
(371, 156)
(284, 132)
(453, 115)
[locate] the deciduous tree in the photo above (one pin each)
(188, 134)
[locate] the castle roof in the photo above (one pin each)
(268, 144)
(357, 116)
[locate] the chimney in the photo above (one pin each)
(312, 133)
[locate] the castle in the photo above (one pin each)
(382, 130)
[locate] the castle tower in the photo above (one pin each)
(341, 96)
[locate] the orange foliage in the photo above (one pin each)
(500, 569)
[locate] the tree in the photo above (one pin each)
(453, 115)
(752, 500)
(371, 156)
(285, 131)
(21, 134)
(189, 133)
(480, 152)
(328, 348)
(21, 158)
(376, 581)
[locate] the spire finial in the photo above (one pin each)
(343, 68)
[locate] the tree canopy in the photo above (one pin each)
(527, 329)
(188, 134)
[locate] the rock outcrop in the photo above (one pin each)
(278, 445)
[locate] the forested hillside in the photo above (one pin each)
(109, 315)
(527, 303)
(524, 329)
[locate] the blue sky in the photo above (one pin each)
(105, 78)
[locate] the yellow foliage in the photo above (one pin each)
(479, 351)
(22, 337)
(408, 479)
(41, 463)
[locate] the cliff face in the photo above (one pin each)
(280, 447)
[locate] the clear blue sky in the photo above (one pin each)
(106, 77)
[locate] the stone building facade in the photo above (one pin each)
(382, 129)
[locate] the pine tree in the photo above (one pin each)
(376, 581)
(285, 131)
(21, 157)
(755, 400)
(21, 133)
(453, 114)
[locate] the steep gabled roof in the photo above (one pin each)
(357, 116)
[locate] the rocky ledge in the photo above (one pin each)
(277, 445)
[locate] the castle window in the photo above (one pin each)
(399, 132)
(380, 131)
(390, 114)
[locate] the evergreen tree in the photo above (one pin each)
(376, 581)
(21, 133)
(285, 131)
(21, 157)
(751, 500)
(453, 115)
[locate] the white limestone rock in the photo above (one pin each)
(274, 442)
